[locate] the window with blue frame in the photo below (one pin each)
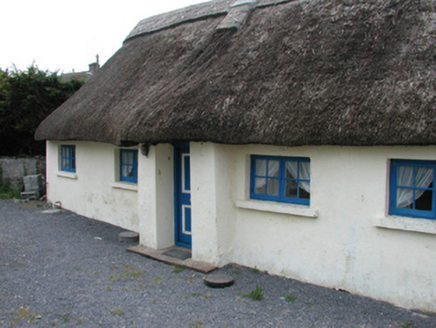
(280, 179)
(68, 158)
(129, 165)
(411, 190)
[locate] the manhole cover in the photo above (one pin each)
(218, 280)
(128, 236)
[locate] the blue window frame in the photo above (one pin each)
(411, 189)
(129, 165)
(68, 158)
(280, 179)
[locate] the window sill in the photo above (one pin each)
(407, 224)
(68, 175)
(273, 207)
(125, 186)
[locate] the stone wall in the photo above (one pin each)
(14, 169)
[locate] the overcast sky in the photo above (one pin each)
(67, 35)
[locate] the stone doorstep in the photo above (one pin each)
(200, 266)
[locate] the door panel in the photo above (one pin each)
(182, 195)
(186, 220)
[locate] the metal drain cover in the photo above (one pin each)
(218, 280)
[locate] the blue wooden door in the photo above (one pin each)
(182, 195)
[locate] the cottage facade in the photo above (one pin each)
(298, 140)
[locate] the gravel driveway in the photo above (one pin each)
(64, 270)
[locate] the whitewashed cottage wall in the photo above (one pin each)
(344, 239)
(348, 244)
(93, 190)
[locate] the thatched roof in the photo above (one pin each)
(314, 72)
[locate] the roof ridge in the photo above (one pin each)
(202, 11)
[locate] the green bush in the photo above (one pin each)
(26, 99)
(6, 190)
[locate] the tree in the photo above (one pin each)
(26, 99)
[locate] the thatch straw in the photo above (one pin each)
(322, 72)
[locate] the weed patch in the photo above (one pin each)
(255, 270)
(255, 294)
(407, 325)
(116, 312)
(6, 190)
(65, 318)
(290, 298)
(157, 280)
(23, 314)
(177, 269)
(128, 271)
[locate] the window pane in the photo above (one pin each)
(273, 187)
(303, 193)
(187, 173)
(424, 171)
(130, 158)
(304, 172)
(423, 177)
(260, 186)
(412, 188)
(125, 171)
(273, 168)
(128, 165)
(281, 179)
(291, 189)
(424, 202)
(291, 170)
(405, 176)
(404, 198)
(261, 167)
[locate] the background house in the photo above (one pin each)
(292, 136)
(82, 76)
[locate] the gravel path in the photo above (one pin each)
(63, 270)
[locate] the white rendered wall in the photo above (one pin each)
(342, 247)
(213, 210)
(91, 191)
(156, 197)
(338, 241)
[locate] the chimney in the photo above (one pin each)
(94, 66)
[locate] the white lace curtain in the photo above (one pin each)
(423, 178)
(127, 167)
(273, 169)
(291, 167)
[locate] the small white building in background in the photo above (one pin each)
(216, 161)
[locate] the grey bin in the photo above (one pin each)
(32, 186)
